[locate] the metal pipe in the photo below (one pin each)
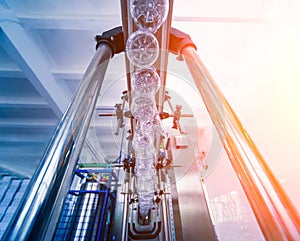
(39, 211)
(125, 212)
(95, 154)
(274, 211)
(165, 218)
(165, 211)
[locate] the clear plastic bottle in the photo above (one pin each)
(145, 165)
(149, 15)
(145, 188)
(158, 126)
(143, 108)
(140, 140)
(142, 49)
(145, 81)
(147, 127)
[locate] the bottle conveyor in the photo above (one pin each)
(154, 189)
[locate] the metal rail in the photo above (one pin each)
(275, 213)
(39, 212)
(165, 213)
(124, 233)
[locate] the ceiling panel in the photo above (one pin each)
(70, 50)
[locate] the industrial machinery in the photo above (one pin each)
(153, 189)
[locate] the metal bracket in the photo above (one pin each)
(178, 41)
(114, 38)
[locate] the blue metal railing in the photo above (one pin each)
(87, 209)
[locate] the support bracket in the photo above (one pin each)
(114, 38)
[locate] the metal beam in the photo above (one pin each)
(76, 22)
(21, 46)
(11, 73)
(28, 123)
(15, 102)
